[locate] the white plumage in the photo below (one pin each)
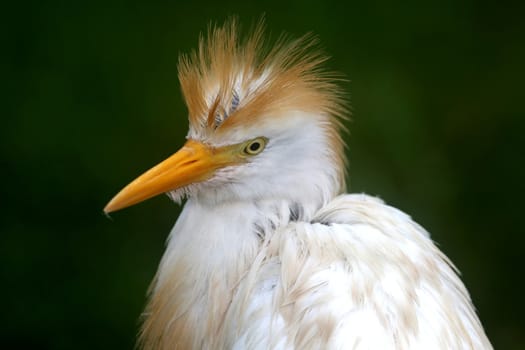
(267, 254)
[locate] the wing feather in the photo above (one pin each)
(361, 275)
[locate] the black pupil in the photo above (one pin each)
(254, 147)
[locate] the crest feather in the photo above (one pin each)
(230, 79)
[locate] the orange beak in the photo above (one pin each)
(194, 162)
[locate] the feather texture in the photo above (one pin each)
(359, 275)
(267, 254)
(261, 82)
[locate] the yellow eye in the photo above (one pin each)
(255, 146)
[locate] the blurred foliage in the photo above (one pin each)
(91, 99)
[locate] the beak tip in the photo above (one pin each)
(110, 207)
(193, 163)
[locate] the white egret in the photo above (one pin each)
(268, 253)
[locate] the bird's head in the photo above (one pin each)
(264, 123)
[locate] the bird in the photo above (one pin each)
(269, 251)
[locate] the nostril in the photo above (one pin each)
(189, 162)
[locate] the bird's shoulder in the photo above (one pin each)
(360, 274)
(353, 226)
(363, 209)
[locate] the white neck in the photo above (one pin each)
(209, 251)
(208, 236)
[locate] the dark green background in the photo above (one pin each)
(91, 99)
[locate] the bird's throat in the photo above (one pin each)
(210, 249)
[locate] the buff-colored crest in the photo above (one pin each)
(231, 80)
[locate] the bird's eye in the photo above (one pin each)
(255, 146)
